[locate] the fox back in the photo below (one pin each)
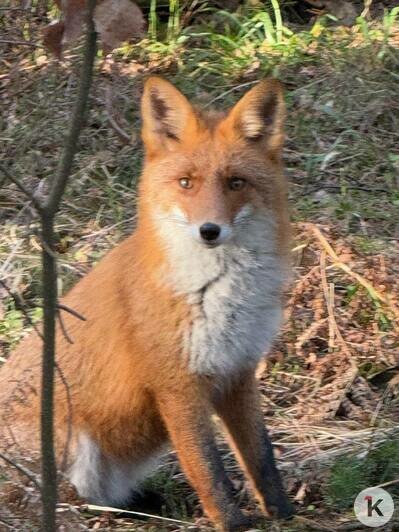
(177, 315)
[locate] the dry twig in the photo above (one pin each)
(22, 469)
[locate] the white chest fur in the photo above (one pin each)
(235, 316)
(234, 293)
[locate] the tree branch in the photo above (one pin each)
(21, 469)
(65, 166)
(61, 306)
(36, 203)
(63, 328)
(49, 278)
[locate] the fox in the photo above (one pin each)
(177, 317)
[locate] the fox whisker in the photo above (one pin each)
(172, 219)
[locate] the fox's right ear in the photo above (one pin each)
(167, 116)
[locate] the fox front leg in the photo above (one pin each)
(242, 416)
(188, 421)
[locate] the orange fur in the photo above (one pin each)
(128, 380)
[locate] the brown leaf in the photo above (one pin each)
(52, 38)
(117, 21)
(74, 14)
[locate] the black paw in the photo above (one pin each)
(280, 509)
(239, 523)
(146, 501)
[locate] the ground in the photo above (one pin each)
(331, 385)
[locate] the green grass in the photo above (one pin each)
(350, 474)
(228, 45)
(11, 325)
(14, 324)
(178, 499)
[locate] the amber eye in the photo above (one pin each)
(185, 182)
(237, 183)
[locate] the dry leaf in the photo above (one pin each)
(74, 13)
(301, 493)
(116, 21)
(52, 38)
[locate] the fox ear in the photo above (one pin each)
(259, 115)
(167, 115)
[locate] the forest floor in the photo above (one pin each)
(331, 384)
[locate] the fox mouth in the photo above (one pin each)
(211, 245)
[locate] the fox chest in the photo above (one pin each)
(234, 317)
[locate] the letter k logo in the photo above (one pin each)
(373, 507)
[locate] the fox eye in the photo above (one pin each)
(185, 182)
(237, 183)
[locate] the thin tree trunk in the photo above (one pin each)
(49, 284)
(48, 211)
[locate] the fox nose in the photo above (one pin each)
(209, 231)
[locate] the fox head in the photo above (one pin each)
(208, 176)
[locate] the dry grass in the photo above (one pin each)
(330, 386)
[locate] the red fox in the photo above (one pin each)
(178, 315)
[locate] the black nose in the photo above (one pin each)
(209, 231)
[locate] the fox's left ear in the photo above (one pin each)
(259, 115)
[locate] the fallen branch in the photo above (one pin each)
(6, 524)
(19, 43)
(36, 203)
(385, 484)
(328, 290)
(125, 137)
(346, 187)
(109, 509)
(26, 9)
(28, 474)
(374, 293)
(334, 331)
